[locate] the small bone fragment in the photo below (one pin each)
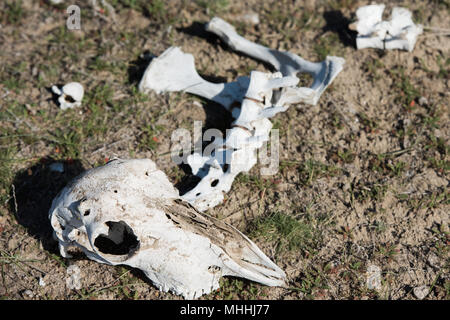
(421, 292)
(70, 95)
(399, 32)
(127, 212)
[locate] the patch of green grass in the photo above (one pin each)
(342, 155)
(148, 139)
(368, 192)
(288, 232)
(368, 124)
(341, 4)
(158, 12)
(441, 165)
(387, 251)
(408, 93)
(6, 171)
(99, 96)
(443, 72)
(387, 164)
(255, 181)
(67, 142)
(213, 7)
(439, 144)
(99, 64)
(312, 282)
(374, 67)
(328, 45)
(311, 170)
(13, 13)
(13, 83)
(427, 201)
(234, 288)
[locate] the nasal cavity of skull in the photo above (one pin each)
(120, 239)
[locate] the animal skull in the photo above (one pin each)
(398, 33)
(70, 95)
(127, 212)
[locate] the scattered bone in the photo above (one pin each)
(287, 63)
(398, 33)
(73, 281)
(42, 282)
(175, 71)
(238, 152)
(421, 292)
(127, 212)
(251, 100)
(70, 95)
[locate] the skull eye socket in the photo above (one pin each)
(120, 239)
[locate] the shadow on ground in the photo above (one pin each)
(336, 22)
(33, 192)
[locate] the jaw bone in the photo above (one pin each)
(175, 71)
(128, 213)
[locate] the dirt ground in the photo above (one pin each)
(363, 182)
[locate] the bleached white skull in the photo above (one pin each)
(70, 95)
(127, 212)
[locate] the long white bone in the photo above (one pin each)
(398, 33)
(175, 71)
(287, 63)
(127, 212)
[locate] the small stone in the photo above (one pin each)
(433, 260)
(421, 292)
(373, 277)
(28, 293)
(42, 282)
(423, 101)
(250, 18)
(73, 281)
